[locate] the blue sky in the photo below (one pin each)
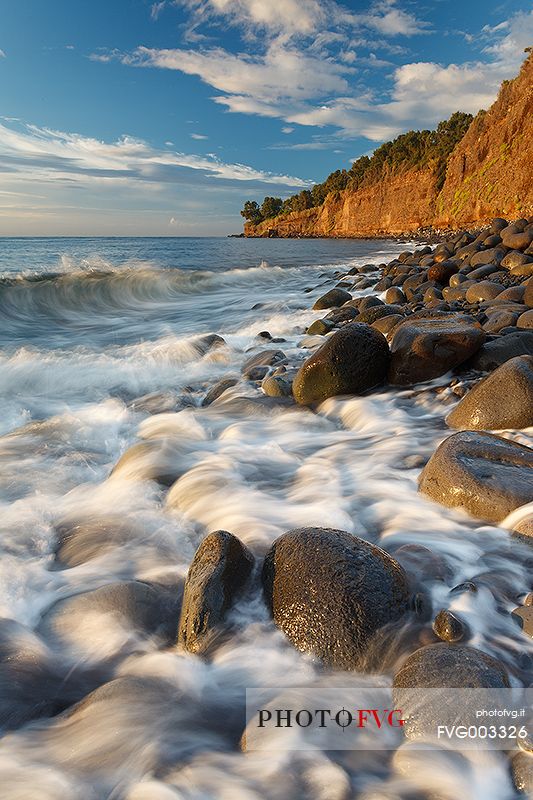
(134, 118)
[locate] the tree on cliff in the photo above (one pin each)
(251, 212)
(271, 206)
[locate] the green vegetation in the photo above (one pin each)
(412, 150)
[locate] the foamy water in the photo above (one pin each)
(88, 328)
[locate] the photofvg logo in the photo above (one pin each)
(376, 718)
(324, 717)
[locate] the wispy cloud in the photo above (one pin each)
(41, 155)
(198, 136)
(156, 9)
(2, 54)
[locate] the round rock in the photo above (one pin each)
(352, 361)
(330, 592)
(485, 475)
(218, 573)
(444, 665)
(425, 348)
(332, 299)
(504, 399)
(448, 627)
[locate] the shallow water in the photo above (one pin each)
(89, 326)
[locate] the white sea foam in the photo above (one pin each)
(78, 351)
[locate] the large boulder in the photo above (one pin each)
(330, 592)
(500, 350)
(453, 666)
(218, 573)
(483, 474)
(423, 349)
(352, 361)
(504, 399)
(332, 299)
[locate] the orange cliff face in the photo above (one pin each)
(489, 174)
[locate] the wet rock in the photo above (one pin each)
(517, 241)
(504, 399)
(386, 325)
(523, 615)
(218, 389)
(516, 259)
(395, 296)
(448, 627)
(525, 528)
(498, 224)
(158, 461)
(217, 575)
(425, 348)
(157, 403)
(493, 255)
(522, 771)
(332, 299)
(444, 665)
(209, 341)
(484, 290)
(330, 592)
(277, 386)
(525, 320)
(266, 358)
(479, 273)
(135, 606)
(352, 361)
(422, 564)
(370, 315)
(496, 352)
(485, 475)
(441, 273)
(80, 542)
(370, 301)
(499, 319)
(320, 327)
(30, 687)
(514, 293)
(340, 315)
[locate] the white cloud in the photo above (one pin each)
(287, 129)
(2, 54)
(283, 72)
(198, 136)
(41, 155)
(306, 17)
(290, 16)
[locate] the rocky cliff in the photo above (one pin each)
(489, 174)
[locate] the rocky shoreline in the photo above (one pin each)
(463, 307)
(454, 320)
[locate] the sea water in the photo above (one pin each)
(89, 328)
